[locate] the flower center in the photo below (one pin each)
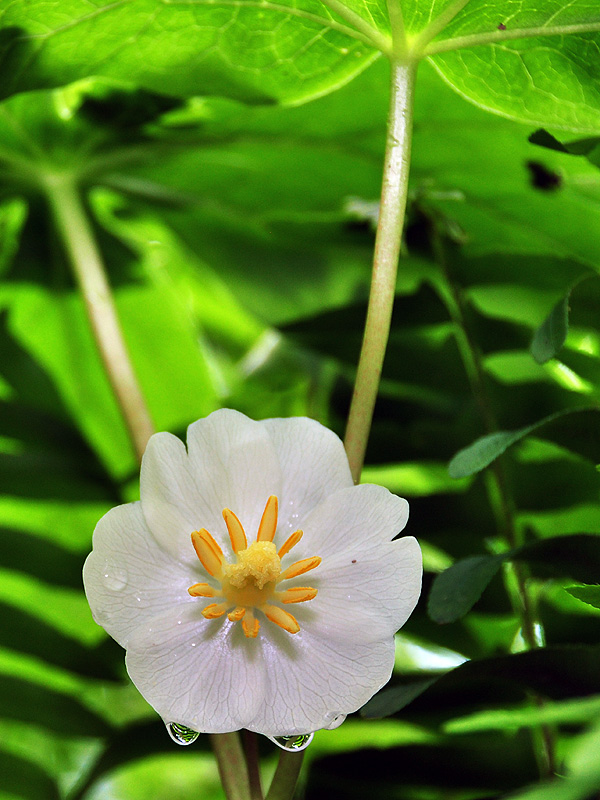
(252, 581)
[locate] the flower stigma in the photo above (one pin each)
(251, 582)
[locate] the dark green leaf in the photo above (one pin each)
(551, 335)
(458, 588)
(484, 451)
(24, 779)
(30, 702)
(588, 594)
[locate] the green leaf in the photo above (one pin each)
(30, 702)
(393, 700)
(24, 779)
(484, 451)
(261, 52)
(456, 590)
(588, 594)
(536, 64)
(551, 335)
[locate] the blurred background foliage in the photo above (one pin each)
(238, 240)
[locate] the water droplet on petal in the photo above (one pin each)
(333, 720)
(114, 577)
(295, 743)
(180, 734)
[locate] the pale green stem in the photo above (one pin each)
(252, 762)
(399, 43)
(498, 490)
(286, 776)
(76, 232)
(368, 33)
(385, 264)
(232, 765)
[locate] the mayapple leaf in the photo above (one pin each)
(485, 450)
(288, 51)
(550, 336)
(535, 62)
(587, 594)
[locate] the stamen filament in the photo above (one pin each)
(214, 610)
(268, 522)
(250, 624)
(300, 567)
(282, 618)
(290, 542)
(297, 594)
(236, 531)
(204, 590)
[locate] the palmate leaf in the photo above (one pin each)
(255, 51)
(295, 50)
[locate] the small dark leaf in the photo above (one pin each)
(551, 335)
(482, 452)
(393, 700)
(588, 594)
(457, 589)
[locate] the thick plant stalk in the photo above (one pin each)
(232, 765)
(286, 776)
(385, 264)
(74, 227)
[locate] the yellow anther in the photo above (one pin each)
(203, 590)
(251, 581)
(268, 522)
(282, 618)
(250, 625)
(300, 567)
(209, 552)
(290, 542)
(297, 594)
(236, 531)
(214, 610)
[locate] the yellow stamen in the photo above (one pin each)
(250, 625)
(282, 618)
(290, 542)
(204, 590)
(297, 594)
(214, 610)
(250, 582)
(268, 522)
(209, 552)
(300, 567)
(236, 531)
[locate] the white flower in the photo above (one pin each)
(196, 580)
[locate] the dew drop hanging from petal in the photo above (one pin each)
(294, 743)
(180, 734)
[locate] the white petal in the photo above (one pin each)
(230, 463)
(363, 596)
(313, 465)
(200, 673)
(235, 465)
(353, 520)
(128, 578)
(311, 680)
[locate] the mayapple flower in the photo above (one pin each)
(254, 586)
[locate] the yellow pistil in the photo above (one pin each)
(251, 582)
